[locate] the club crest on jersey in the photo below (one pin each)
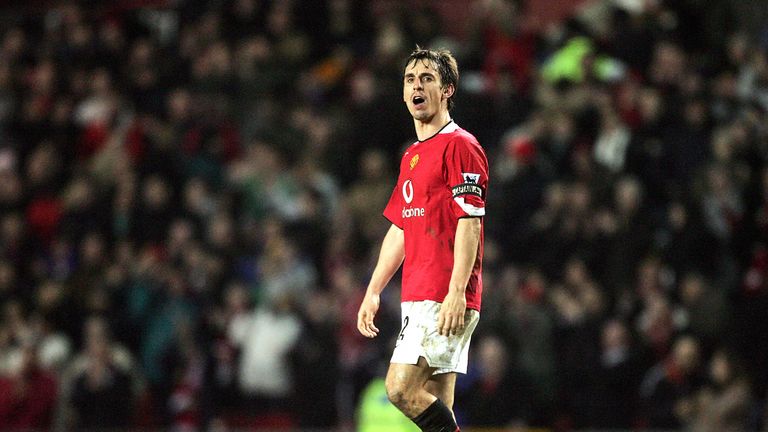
(414, 161)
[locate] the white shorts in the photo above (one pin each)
(419, 338)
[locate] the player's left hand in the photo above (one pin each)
(450, 319)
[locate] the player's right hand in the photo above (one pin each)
(368, 309)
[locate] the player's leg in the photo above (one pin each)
(442, 386)
(406, 389)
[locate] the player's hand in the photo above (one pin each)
(368, 309)
(450, 319)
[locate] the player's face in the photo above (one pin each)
(422, 90)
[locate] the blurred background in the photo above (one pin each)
(191, 196)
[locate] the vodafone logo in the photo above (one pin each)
(409, 212)
(408, 191)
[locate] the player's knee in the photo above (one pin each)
(397, 394)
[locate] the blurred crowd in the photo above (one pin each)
(191, 196)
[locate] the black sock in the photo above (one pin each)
(436, 418)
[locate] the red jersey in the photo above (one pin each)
(442, 179)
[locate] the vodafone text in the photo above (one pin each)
(412, 212)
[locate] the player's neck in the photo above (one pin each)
(428, 128)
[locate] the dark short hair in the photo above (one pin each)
(446, 67)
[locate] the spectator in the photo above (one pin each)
(614, 388)
(668, 387)
(371, 186)
(687, 245)
(265, 377)
(578, 306)
(27, 392)
(54, 347)
(102, 394)
(630, 239)
(101, 385)
(497, 396)
(232, 318)
(705, 311)
(724, 403)
(314, 363)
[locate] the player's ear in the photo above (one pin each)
(448, 90)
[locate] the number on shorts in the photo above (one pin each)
(402, 332)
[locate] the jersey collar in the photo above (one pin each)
(449, 127)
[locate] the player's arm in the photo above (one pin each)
(390, 257)
(450, 319)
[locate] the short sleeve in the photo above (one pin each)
(466, 170)
(393, 210)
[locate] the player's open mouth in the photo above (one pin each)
(418, 100)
